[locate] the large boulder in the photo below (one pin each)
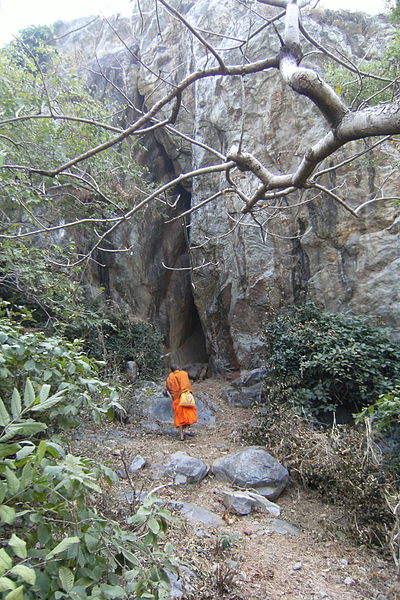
(253, 468)
(153, 410)
(184, 468)
(246, 390)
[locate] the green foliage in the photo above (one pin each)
(33, 41)
(57, 362)
(48, 117)
(116, 339)
(394, 6)
(52, 291)
(318, 360)
(384, 412)
(358, 89)
(55, 544)
(337, 463)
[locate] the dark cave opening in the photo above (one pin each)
(186, 337)
(193, 348)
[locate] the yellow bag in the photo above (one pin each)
(187, 399)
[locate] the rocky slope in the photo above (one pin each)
(305, 554)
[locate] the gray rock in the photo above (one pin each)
(196, 371)
(342, 264)
(117, 435)
(181, 584)
(176, 585)
(249, 378)
(246, 390)
(184, 468)
(137, 463)
(154, 410)
(191, 512)
(253, 468)
(132, 370)
(245, 502)
(244, 397)
(197, 514)
(160, 428)
(132, 496)
(281, 527)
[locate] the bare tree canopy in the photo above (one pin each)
(268, 187)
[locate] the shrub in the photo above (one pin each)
(318, 360)
(57, 362)
(384, 412)
(49, 290)
(339, 464)
(117, 339)
(54, 542)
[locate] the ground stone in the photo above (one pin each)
(253, 468)
(197, 514)
(244, 503)
(191, 512)
(281, 527)
(137, 463)
(185, 469)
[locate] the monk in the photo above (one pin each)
(178, 382)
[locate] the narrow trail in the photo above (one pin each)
(260, 565)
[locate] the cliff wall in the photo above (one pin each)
(314, 250)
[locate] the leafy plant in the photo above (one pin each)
(384, 412)
(356, 88)
(338, 464)
(57, 362)
(116, 339)
(317, 361)
(55, 544)
(51, 291)
(46, 99)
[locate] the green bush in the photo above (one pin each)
(26, 353)
(318, 360)
(54, 542)
(116, 339)
(52, 292)
(384, 412)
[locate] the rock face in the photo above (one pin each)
(246, 390)
(253, 468)
(341, 263)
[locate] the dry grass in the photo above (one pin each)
(342, 464)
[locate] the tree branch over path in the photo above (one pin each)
(341, 124)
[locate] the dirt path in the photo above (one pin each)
(258, 565)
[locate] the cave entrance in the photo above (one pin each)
(192, 348)
(186, 340)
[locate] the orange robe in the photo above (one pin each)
(178, 382)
